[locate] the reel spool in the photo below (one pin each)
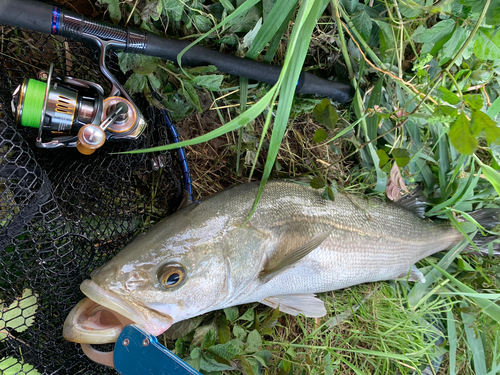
(74, 113)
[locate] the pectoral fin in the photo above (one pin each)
(307, 304)
(273, 266)
(413, 275)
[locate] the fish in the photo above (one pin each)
(215, 254)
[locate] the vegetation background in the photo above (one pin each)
(426, 84)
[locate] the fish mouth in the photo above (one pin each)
(100, 318)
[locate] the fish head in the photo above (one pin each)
(162, 277)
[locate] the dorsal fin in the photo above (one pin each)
(415, 202)
(274, 266)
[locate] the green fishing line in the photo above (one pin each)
(33, 103)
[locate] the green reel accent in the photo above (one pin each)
(33, 103)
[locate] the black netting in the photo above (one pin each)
(62, 213)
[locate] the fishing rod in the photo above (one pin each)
(37, 16)
(79, 110)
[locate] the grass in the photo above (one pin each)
(426, 97)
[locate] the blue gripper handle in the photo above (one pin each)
(138, 353)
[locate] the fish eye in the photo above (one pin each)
(171, 275)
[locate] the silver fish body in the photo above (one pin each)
(295, 244)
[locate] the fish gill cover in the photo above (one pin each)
(62, 213)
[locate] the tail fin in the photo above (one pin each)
(488, 218)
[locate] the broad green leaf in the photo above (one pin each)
(474, 101)
(135, 83)
(209, 339)
(246, 366)
(248, 315)
(481, 76)
(436, 33)
(383, 157)
(210, 82)
(254, 342)
(140, 64)
(320, 135)
(202, 23)
(448, 96)
(326, 114)
(113, 9)
(228, 350)
(386, 37)
(183, 328)
(453, 45)
(461, 137)
(487, 45)
(191, 95)
(239, 333)
(224, 331)
(350, 5)
(363, 23)
(180, 348)
(411, 9)
(269, 323)
(155, 82)
(481, 121)
(477, 6)
(152, 9)
(317, 183)
(401, 156)
(231, 313)
(174, 8)
(209, 364)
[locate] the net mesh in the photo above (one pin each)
(64, 214)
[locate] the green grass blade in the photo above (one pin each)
(420, 289)
(452, 340)
(474, 341)
(234, 124)
(297, 50)
(488, 307)
(494, 109)
(271, 26)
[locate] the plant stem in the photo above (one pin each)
(455, 83)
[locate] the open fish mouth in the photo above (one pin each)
(100, 318)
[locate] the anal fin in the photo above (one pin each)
(307, 304)
(413, 275)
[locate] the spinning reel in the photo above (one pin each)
(72, 112)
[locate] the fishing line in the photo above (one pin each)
(34, 97)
